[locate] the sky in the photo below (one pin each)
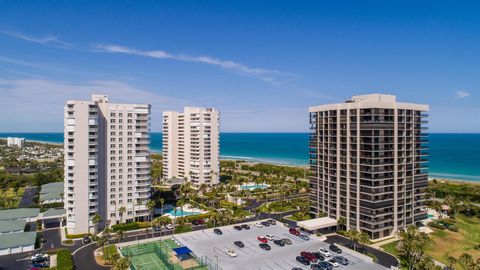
(260, 63)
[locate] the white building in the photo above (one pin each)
(107, 164)
(14, 141)
(191, 145)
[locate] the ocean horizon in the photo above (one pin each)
(452, 155)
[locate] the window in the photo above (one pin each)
(112, 114)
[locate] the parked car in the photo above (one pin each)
(246, 226)
(341, 260)
(264, 246)
(86, 239)
(333, 262)
(335, 249)
(169, 226)
(39, 260)
(316, 267)
(156, 228)
(239, 244)
(217, 231)
(272, 221)
(265, 223)
(287, 241)
(324, 252)
(318, 255)
(231, 253)
(237, 227)
(198, 222)
(40, 257)
(303, 260)
(262, 239)
(294, 231)
(309, 256)
(325, 265)
(297, 268)
(258, 225)
(41, 265)
(304, 237)
(279, 242)
(269, 237)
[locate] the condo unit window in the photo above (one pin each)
(120, 127)
(120, 133)
(120, 114)
(129, 200)
(112, 126)
(120, 121)
(112, 190)
(112, 114)
(112, 152)
(112, 121)
(129, 114)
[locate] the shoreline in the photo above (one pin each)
(252, 160)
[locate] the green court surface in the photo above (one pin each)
(147, 261)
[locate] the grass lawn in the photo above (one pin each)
(447, 243)
(9, 198)
(391, 248)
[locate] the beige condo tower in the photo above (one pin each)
(369, 163)
(191, 145)
(107, 164)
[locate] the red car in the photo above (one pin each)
(262, 239)
(294, 231)
(312, 258)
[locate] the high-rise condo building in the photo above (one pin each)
(107, 164)
(369, 163)
(191, 145)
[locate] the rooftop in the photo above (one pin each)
(7, 226)
(53, 212)
(11, 240)
(18, 213)
(317, 223)
(51, 191)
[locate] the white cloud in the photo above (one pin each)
(462, 94)
(37, 104)
(45, 40)
(273, 76)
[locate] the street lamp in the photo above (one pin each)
(216, 266)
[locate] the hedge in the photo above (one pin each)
(436, 225)
(75, 236)
(64, 260)
(453, 228)
(126, 226)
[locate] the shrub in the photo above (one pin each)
(436, 225)
(68, 242)
(342, 232)
(64, 260)
(143, 225)
(75, 236)
(126, 226)
(183, 228)
(453, 228)
(197, 217)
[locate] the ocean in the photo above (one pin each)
(452, 156)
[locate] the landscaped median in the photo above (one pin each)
(64, 260)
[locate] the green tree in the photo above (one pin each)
(121, 211)
(412, 247)
(467, 261)
(150, 207)
(357, 237)
(96, 220)
(451, 261)
(122, 263)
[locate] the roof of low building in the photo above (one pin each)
(11, 225)
(53, 212)
(18, 213)
(51, 191)
(11, 240)
(317, 223)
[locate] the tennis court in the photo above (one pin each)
(157, 255)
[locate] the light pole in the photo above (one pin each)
(216, 266)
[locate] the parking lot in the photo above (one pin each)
(207, 243)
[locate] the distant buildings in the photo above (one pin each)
(369, 163)
(107, 164)
(14, 141)
(191, 145)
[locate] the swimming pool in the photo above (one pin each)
(180, 212)
(252, 187)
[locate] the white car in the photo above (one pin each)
(258, 225)
(231, 253)
(324, 252)
(333, 262)
(40, 255)
(169, 226)
(269, 237)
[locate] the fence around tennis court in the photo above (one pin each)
(160, 249)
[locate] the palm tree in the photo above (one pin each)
(451, 261)
(96, 220)
(341, 222)
(122, 264)
(151, 207)
(203, 188)
(120, 235)
(467, 260)
(357, 237)
(121, 211)
(162, 202)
